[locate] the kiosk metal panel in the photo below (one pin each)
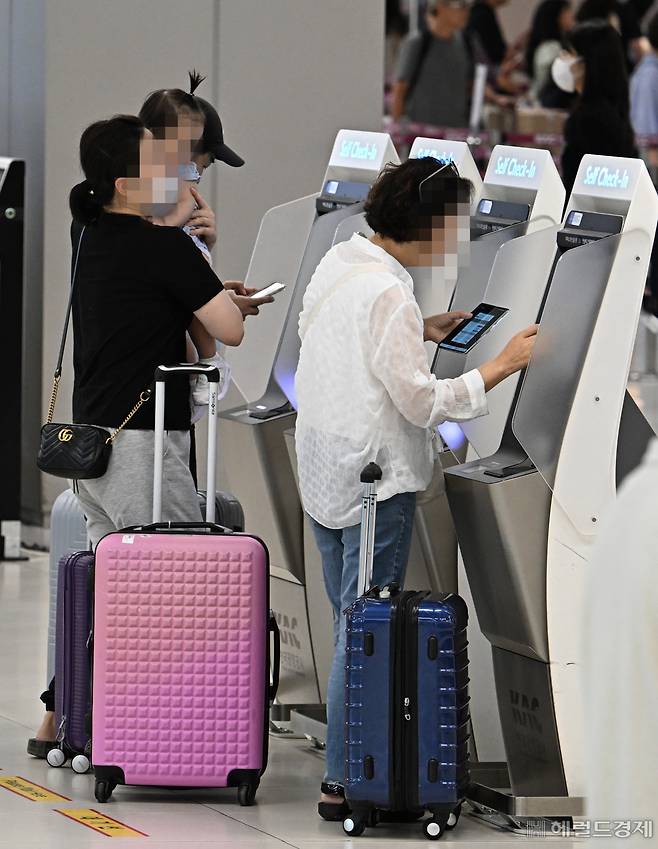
(551, 380)
(518, 280)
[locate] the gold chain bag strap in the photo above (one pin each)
(76, 451)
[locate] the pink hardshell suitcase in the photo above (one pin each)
(181, 672)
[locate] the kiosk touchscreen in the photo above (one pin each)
(291, 241)
(12, 218)
(528, 511)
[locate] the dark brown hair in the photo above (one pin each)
(394, 208)
(162, 108)
(108, 150)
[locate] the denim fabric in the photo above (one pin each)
(340, 564)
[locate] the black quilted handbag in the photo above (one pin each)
(76, 451)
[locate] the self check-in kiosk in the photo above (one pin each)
(513, 232)
(292, 240)
(12, 222)
(528, 510)
(521, 183)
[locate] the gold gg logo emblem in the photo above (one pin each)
(65, 435)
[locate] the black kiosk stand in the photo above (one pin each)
(12, 222)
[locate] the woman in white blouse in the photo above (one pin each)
(365, 393)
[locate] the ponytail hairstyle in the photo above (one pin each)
(108, 150)
(162, 108)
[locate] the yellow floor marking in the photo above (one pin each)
(30, 790)
(100, 822)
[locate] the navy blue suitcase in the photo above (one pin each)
(406, 700)
(73, 662)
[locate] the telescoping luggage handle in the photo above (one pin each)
(162, 374)
(369, 478)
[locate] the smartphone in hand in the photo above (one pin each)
(269, 291)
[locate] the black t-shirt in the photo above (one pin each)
(137, 287)
(484, 23)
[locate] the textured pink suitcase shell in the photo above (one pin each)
(180, 636)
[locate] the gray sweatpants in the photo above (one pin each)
(124, 495)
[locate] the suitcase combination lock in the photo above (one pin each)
(407, 709)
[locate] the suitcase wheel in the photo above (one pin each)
(56, 757)
(247, 794)
(80, 764)
(103, 790)
(354, 826)
(434, 829)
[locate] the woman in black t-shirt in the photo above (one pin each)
(139, 289)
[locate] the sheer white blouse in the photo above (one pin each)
(364, 389)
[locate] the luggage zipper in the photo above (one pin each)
(411, 702)
(397, 730)
(404, 658)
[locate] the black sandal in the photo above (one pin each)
(40, 748)
(330, 811)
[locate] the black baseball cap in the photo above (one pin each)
(212, 140)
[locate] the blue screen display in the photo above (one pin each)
(476, 325)
(511, 166)
(464, 337)
(606, 178)
(354, 149)
(443, 157)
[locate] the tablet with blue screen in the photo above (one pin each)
(469, 332)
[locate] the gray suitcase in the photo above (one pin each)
(68, 533)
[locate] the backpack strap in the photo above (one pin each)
(425, 44)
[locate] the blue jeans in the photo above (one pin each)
(340, 564)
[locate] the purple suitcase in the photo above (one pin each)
(181, 680)
(73, 661)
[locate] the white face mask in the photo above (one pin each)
(164, 195)
(562, 73)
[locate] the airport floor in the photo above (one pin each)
(284, 815)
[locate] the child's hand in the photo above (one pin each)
(180, 215)
(202, 220)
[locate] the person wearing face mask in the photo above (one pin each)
(192, 134)
(552, 20)
(139, 288)
(593, 67)
(365, 394)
